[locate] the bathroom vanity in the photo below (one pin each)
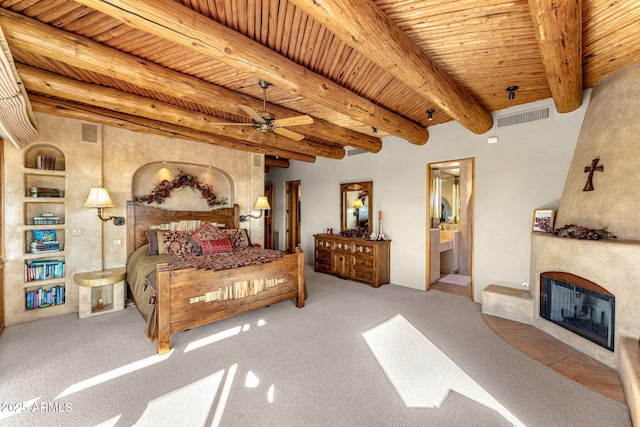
(445, 253)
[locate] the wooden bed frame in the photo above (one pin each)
(184, 298)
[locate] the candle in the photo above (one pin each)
(379, 214)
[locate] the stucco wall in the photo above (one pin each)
(112, 162)
(610, 133)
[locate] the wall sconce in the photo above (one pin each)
(512, 91)
(430, 113)
(262, 204)
(99, 198)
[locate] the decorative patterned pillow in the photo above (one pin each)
(216, 246)
(205, 233)
(176, 243)
(238, 237)
(152, 237)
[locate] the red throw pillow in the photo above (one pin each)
(205, 233)
(216, 246)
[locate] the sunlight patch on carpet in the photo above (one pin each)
(423, 375)
(219, 336)
(110, 422)
(114, 373)
(192, 402)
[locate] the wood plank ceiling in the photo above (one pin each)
(361, 69)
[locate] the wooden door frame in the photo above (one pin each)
(429, 225)
(292, 222)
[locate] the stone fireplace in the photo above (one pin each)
(609, 264)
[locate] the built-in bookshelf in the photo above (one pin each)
(44, 228)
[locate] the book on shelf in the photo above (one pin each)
(44, 241)
(41, 297)
(47, 220)
(46, 162)
(45, 192)
(43, 269)
(52, 247)
(41, 236)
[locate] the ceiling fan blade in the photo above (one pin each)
(255, 136)
(294, 121)
(252, 113)
(289, 134)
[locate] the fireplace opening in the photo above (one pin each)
(578, 305)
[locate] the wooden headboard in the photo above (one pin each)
(140, 218)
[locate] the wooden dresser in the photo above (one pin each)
(366, 261)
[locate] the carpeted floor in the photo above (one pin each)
(354, 356)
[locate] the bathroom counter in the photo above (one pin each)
(444, 252)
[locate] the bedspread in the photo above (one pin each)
(141, 273)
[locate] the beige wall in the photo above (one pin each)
(609, 132)
(524, 171)
(112, 161)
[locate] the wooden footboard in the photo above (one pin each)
(194, 297)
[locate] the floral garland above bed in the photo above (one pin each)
(164, 188)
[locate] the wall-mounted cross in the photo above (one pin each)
(591, 169)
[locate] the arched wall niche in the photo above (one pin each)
(149, 175)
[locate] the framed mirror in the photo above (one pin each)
(356, 199)
(445, 196)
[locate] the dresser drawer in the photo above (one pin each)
(365, 276)
(323, 255)
(363, 262)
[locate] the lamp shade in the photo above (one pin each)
(262, 203)
(358, 204)
(98, 198)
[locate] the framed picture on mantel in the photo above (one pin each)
(543, 220)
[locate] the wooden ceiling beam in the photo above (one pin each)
(179, 24)
(364, 27)
(276, 162)
(35, 37)
(558, 26)
(54, 85)
(93, 114)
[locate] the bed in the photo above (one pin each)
(172, 298)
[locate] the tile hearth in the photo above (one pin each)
(560, 357)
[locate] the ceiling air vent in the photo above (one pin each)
(355, 151)
(525, 116)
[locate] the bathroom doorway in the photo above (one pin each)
(450, 213)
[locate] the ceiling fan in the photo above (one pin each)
(264, 122)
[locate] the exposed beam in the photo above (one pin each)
(51, 84)
(558, 27)
(35, 37)
(170, 20)
(364, 27)
(276, 162)
(89, 113)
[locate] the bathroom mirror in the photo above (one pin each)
(355, 206)
(445, 193)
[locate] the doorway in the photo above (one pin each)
(292, 212)
(450, 215)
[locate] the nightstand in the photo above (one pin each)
(100, 292)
